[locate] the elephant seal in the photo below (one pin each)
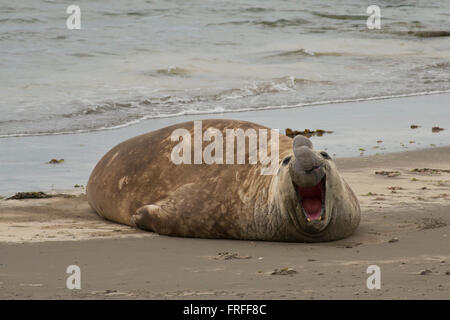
(306, 200)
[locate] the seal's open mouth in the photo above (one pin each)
(312, 200)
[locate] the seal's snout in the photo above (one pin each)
(308, 177)
(307, 160)
(307, 170)
(300, 141)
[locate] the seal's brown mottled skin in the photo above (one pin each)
(137, 184)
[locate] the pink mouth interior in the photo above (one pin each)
(311, 198)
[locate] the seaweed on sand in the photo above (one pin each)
(307, 133)
(29, 195)
(56, 161)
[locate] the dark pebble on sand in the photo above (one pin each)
(230, 256)
(425, 272)
(284, 272)
(110, 291)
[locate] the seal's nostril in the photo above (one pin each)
(313, 168)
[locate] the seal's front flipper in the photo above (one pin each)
(152, 218)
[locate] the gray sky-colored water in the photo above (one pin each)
(133, 59)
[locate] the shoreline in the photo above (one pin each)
(211, 114)
(359, 128)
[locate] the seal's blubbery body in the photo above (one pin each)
(136, 183)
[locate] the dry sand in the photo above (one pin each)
(404, 230)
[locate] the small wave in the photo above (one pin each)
(294, 53)
(98, 109)
(305, 53)
(226, 43)
(5, 9)
(400, 5)
(60, 37)
(109, 13)
(137, 13)
(173, 71)
(82, 55)
(428, 34)
(406, 24)
(280, 23)
(18, 33)
(221, 110)
(107, 53)
(142, 13)
(241, 22)
(276, 85)
(435, 73)
(339, 16)
(258, 9)
(21, 20)
(436, 66)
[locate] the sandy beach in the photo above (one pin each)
(404, 230)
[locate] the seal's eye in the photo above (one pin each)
(286, 160)
(325, 155)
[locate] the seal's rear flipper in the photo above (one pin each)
(152, 218)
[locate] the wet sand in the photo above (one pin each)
(404, 230)
(356, 126)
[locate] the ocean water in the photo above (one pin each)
(134, 60)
